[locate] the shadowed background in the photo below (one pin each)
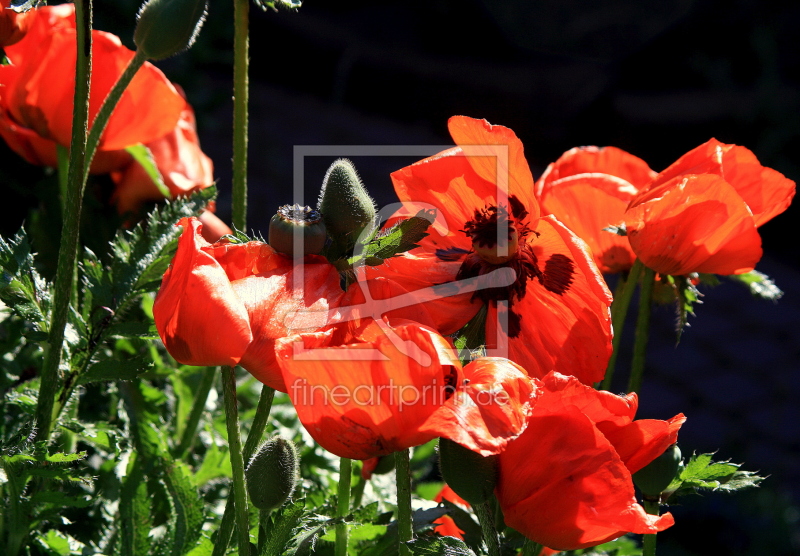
(653, 78)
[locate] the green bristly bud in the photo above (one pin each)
(168, 27)
(346, 207)
(656, 476)
(272, 473)
(296, 219)
(470, 475)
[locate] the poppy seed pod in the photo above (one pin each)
(292, 219)
(346, 207)
(655, 477)
(168, 27)
(272, 473)
(470, 475)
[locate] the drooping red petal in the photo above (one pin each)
(694, 223)
(562, 484)
(569, 332)
(368, 394)
(766, 191)
(489, 410)
(640, 442)
(199, 317)
(560, 390)
(497, 156)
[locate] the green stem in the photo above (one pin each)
(485, 514)
(619, 310)
(190, 432)
(531, 548)
(649, 541)
(237, 464)
(250, 445)
(343, 505)
(241, 46)
(263, 519)
(642, 331)
(109, 104)
(70, 228)
(405, 526)
(358, 491)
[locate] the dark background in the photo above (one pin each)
(654, 78)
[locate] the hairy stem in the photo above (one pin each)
(642, 331)
(619, 310)
(343, 505)
(405, 527)
(241, 60)
(237, 464)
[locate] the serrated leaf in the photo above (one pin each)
(403, 236)
(759, 284)
(686, 295)
(281, 524)
(22, 289)
(439, 546)
(702, 473)
(186, 506)
(144, 157)
(134, 513)
(60, 499)
(56, 543)
(115, 369)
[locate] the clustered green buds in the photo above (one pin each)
(168, 27)
(470, 475)
(272, 473)
(297, 219)
(346, 207)
(655, 477)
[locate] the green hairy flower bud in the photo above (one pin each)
(292, 219)
(656, 476)
(272, 473)
(470, 475)
(167, 27)
(346, 207)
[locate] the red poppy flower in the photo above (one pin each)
(226, 304)
(36, 93)
(701, 214)
(566, 481)
(588, 189)
(548, 303)
(446, 526)
(183, 166)
(13, 25)
(366, 388)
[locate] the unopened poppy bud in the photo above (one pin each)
(346, 207)
(296, 219)
(470, 475)
(655, 477)
(272, 473)
(168, 27)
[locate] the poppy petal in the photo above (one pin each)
(697, 224)
(609, 161)
(199, 317)
(570, 331)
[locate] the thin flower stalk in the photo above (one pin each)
(237, 463)
(619, 311)
(190, 431)
(649, 541)
(485, 515)
(343, 505)
(642, 331)
(405, 529)
(241, 46)
(68, 249)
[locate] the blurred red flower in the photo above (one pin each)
(36, 93)
(588, 189)
(446, 526)
(547, 302)
(368, 388)
(566, 481)
(226, 304)
(702, 213)
(13, 25)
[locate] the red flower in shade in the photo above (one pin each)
(365, 388)
(13, 25)
(549, 306)
(446, 526)
(566, 481)
(702, 213)
(226, 304)
(182, 164)
(37, 88)
(588, 189)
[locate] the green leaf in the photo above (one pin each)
(439, 546)
(702, 473)
(56, 543)
(22, 289)
(623, 546)
(282, 523)
(60, 500)
(115, 369)
(759, 284)
(134, 513)
(186, 505)
(144, 157)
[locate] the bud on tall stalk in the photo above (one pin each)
(272, 473)
(168, 27)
